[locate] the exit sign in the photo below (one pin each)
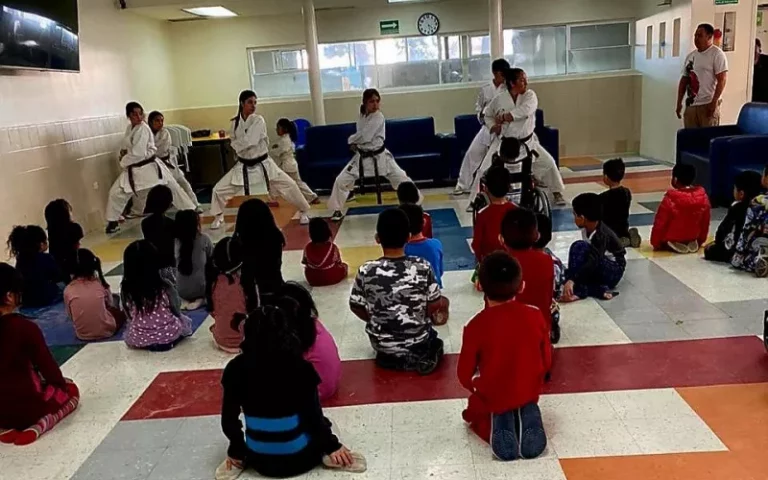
(726, 2)
(389, 27)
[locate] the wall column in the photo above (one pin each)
(495, 29)
(315, 83)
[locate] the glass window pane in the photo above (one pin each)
(262, 61)
(480, 68)
(480, 45)
(284, 84)
(363, 53)
(451, 47)
(334, 55)
(291, 60)
(304, 60)
(343, 79)
(422, 48)
(595, 36)
(600, 60)
(390, 50)
(408, 74)
(539, 51)
(450, 71)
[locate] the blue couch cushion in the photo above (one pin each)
(326, 142)
(753, 119)
(411, 136)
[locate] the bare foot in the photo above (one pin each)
(607, 296)
(569, 299)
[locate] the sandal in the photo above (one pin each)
(359, 464)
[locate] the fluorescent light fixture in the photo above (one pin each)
(403, 1)
(215, 12)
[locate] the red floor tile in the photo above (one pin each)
(630, 175)
(578, 369)
(297, 236)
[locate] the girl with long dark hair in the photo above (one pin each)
(225, 294)
(168, 154)
(193, 252)
(64, 235)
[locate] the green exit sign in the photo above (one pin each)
(389, 27)
(726, 2)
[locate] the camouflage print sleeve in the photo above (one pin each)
(357, 296)
(433, 289)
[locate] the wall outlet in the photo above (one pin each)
(95, 185)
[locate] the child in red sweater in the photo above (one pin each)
(34, 396)
(485, 237)
(519, 233)
(682, 220)
(505, 354)
(322, 260)
(408, 194)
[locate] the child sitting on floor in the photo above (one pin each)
(746, 187)
(225, 295)
(275, 389)
(519, 234)
(38, 269)
(34, 396)
(263, 243)
(408, 194)
(544, 224)
(396, 296)
(161, 230)
(616, 202)
(322, 260)
(595, 264)
(155, 321)
(89, 301)
(505, 354)
(64, 236)
(316, 341)
(751, 245)
(485, 235)
(194, 250)
(430, 249)
(682, 219)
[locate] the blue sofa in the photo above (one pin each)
(412, 141)
(720, 153)
(467, 126)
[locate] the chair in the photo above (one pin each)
(302, 124)
(720, 153)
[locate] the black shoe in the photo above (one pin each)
(112, 227)
(554, 334)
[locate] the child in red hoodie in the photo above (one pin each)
(485, 236)
(505, 354)
(682, 220)
(519, 233)
(322, 260)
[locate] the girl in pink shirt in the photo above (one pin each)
(225, 294)
(89, 301)
(316, 342)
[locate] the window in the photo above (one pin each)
(676, 38)
(649, 42)
(662, 39)
(397, 62)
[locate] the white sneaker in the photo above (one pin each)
(193, 305)
(218, 222)
(227, 472)
(304, 219)
(457, 192)
(559, 199)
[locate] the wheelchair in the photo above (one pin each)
(524, 191)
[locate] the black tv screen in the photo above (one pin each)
(39, 34)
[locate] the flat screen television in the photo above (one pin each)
(39, 35)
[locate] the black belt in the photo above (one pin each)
(252, 162)
(371, 153)
(143, 163)
(167, 161)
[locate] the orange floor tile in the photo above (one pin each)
(646, 185)
(579, 161)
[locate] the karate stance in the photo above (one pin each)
(514, 111)
(141, 170)
(482, 141)
(167, 154)
(254, 165)
(284, 154)
(370, 154)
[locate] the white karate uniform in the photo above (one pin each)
(523, 111)
(369, 137)
(283, 152)
(482, 141)
(167, 153)
(139, 145)
(249, 140)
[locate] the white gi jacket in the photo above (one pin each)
(166, 152)
(370, 132)
(523, 112)
(249, 140)
(139, 144)
(283, 153)
(487, 93)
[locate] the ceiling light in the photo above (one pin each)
(403, 1)
(215, 12)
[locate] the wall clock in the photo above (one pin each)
(428, 24)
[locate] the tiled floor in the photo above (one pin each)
(667, 381)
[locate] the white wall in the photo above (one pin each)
(59, 131)
(659, 124)
(762, 30)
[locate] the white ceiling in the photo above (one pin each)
(172, 9)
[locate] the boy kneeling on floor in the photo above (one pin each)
(505, 354)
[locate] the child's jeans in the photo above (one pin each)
(518, 433)
(606, 278)
(423, 358)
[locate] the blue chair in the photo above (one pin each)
(720, 153)
(302, 124)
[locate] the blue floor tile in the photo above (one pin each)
(637, 163)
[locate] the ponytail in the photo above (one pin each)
(289, 127)
(244, 95)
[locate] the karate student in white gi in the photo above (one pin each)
(284, 154)
(167, 154)
(482, 141)
(254, 167)
(370, 154)
(141, 170)
(514, 112)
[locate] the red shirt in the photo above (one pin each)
(505, 353)
(427, 230)
(24, 355)
(323, 265)
(539, 277)
(683, 216)
(485, 238)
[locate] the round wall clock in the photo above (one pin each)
(428, 24)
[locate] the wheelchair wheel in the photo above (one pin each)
(481, 201)
(541, 202)
(761, 267)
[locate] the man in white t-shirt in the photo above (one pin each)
(705, 72)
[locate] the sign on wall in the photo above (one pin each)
(389, 27)
(726, 2)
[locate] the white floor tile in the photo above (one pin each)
(416, 416)
(576, 439)
(536, 469)
(431, 447)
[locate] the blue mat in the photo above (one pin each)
(59, 330)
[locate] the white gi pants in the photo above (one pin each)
(118, 196)
(544, 168)
(345, 182)
(291, 167)
(474, 157)
(280, 185)
(140, 199)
